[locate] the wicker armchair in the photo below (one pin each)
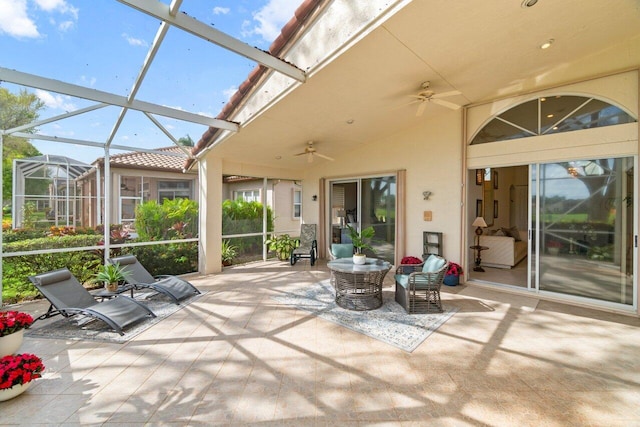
(419, 291)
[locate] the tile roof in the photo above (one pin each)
(145, 160)
(287, 34)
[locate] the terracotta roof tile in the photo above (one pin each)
(289, 32)
(145, 160)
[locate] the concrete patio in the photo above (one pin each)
(237, 357)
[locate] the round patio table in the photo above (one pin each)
(358, 287)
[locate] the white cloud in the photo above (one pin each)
(65, 26)
(90, 82)
(272, 17)
(57, 102)
(60, 6)
(15, 21)
(134, 41)
(228, 93)
(218, 10)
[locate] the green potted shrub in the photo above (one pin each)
(228, 252)
(282, 245)
(361, 241)
(111, 275)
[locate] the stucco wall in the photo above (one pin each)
(431, 153)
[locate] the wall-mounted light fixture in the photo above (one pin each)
(314, 198)
(426, 194)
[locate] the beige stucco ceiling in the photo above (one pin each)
(485, 50)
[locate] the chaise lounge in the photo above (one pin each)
(69, 298)
(137, 276)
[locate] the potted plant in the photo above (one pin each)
(282, 245)
(553, 246)
(452, 276)
(111, 275)
(409, 264)
(228, 252)
(12, 326)
(361, 241)
(17, 372)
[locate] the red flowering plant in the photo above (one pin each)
(19, 369)
(409, 264)
(13, 321)
(454, 269)
(410, 260)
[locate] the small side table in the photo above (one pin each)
(104, 294)
(478, 260)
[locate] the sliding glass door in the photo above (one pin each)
(583, 229)
(364, 202)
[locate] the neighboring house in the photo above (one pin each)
(284, 197)
(136, 177)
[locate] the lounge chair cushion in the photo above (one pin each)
(342, 250)
(433, 264)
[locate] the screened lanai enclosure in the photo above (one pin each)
(46, 193)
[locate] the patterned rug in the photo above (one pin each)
(80, 328)
(389, 323)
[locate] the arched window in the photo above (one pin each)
(551, 114)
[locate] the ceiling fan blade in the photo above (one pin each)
(446, 104)
(301, 154)
(310, 156)
(445, 94)
(421, 108)
(323, 156)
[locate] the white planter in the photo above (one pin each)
(9, 344)
(359, 259)
(16, 390)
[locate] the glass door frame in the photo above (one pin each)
(535, 230)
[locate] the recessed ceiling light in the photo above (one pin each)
(350, 121)
(549, 116)
(278, 157)
(528, 3)
(547, 44)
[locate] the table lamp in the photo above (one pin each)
(480, 223)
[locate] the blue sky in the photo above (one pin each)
(102, 44)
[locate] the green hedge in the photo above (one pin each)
(174, 258)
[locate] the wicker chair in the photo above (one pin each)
(419, 291)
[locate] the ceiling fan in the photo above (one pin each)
(309, 151)
(427, 95)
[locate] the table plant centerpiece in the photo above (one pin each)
(12, 326)
(360, 241)
(17, 372)
(111, 275)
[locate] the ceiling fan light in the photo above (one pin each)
(547, 44)
(528, 3)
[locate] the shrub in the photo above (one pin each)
(173, 219)
(173, 258)
(241, 217)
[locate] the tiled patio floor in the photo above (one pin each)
(236, 357)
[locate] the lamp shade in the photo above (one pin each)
(479, 222)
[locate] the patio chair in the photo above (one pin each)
(341, 250)
(419, 291)
(174, 287)
(308, 247)
(68, 298)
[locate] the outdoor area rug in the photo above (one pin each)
(81, 328)
(389, 323)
